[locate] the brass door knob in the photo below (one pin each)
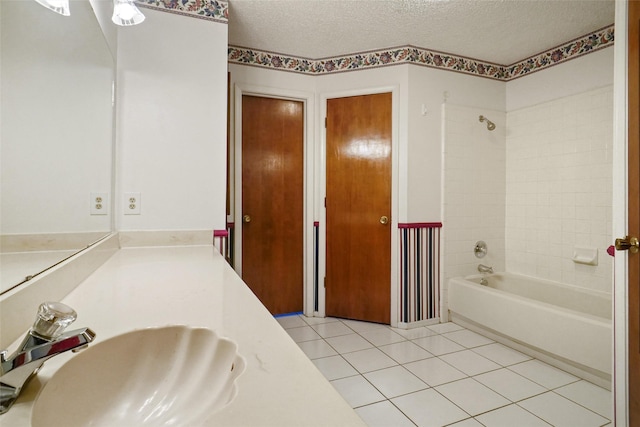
(246, 218)
(384, 220)
(629, 243)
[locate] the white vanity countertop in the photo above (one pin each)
(193, 285)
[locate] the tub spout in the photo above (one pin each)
(485, 269)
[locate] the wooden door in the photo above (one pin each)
(634, 212)
(358, 208)
(272, 201)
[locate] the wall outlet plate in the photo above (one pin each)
(99, 204)
(131, 204)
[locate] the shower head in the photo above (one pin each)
(490, 124)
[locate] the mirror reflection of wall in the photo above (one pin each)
(56, 135)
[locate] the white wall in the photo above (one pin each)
(456, 166)
(419, 136)
(330, 85)
(418, 151)
(430, 87)
(172, 121)
(270, 78)
(320, 88)
(540, 183)
(559, 188)
(559, 170)
(568, 78)
(103, 10)
(326, 86)
(474, 189)
(452, 169)
(380, 79)
(269, 81)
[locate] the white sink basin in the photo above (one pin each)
(170, 376)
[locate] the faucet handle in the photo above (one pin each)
(52, 319)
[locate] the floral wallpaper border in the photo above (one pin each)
(212, 10)
(589, 43)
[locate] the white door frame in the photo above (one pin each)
(395, 161)
(620, 220)
(308, 100)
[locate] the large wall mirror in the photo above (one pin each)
(56, 143)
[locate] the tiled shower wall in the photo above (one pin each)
(559, 188)
(474, 191)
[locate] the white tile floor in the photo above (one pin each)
(443, 375)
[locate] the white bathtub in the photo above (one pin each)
(569, 324)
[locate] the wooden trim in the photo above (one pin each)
(420, 225)
(634, 209)
(228, 195)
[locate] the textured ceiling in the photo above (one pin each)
(498, 31)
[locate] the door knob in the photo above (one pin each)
(384, 220)
(246, 218)
(629, 243)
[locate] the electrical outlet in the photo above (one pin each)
(131, 203)
(99, 204)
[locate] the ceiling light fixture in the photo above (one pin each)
(58, 6)
(126, 13)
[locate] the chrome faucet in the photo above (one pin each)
(485, 269)
(44, 340)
